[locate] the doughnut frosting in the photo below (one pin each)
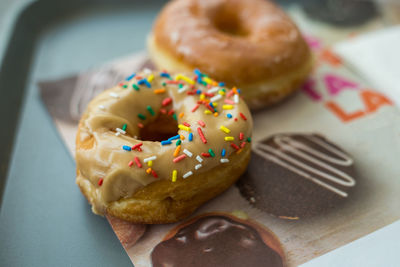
(113, 163)
(237, 41)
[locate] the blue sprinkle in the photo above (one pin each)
(127, 148)
(164, 74)
(130, 77)
(190, 137)
(144, 81)
(198, 72)
(239, 91)
(223, 152)
(221, 84)
(229, 115)
(174, 137)
(166, 142)
(211, 104)
(199, 80)
(198, 92)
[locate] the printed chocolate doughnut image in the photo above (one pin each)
(293, 176)
(219, 239)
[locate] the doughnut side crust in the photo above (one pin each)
(166, 202)
(259, 94)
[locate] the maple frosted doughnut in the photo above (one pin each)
(251, 44)
(157, 146)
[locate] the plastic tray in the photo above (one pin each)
(44, 220)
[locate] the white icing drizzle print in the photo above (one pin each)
(288, 145)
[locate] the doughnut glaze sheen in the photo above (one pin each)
(248, 43)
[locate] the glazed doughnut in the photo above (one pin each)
(157, 146)
(251, 44)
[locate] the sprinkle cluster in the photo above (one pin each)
(209, 97)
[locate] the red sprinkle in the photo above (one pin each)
(153, 172)
(166, 101)
(241, 136)
(242, 144)
(191, 92)
(235, 146)
(171, 112)
(207, 155)
(100, 182)
(201, 123)
(235, 119)
(163, 111)
(121, 84)
(173, 82)
(186, 124)
(195, 107)
(140, 125)
(231, 93)
(202, 137)
(130, 163)
(210, 107)
(137, 161)
(179, 158)
(137, 146)
(208, 94)
(138, 77)
(243, 116)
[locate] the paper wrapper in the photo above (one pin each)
(334, 102)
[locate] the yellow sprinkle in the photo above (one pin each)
(208, 80)
(148, 170)
(207, 111)
(221, 92)
(181, 115)
(183, 127)
(202, 96)
(183, 77)
(229, 138)
(182, 137)
(224, 129)
(150, 163)
(159, 91)
(177, 149)
(216, 114)
(174, 175)
(227, 107)
(215, 104)
(150, 78)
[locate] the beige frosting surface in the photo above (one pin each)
(107, 172)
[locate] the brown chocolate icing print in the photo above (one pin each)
(215, 240)
(294, 176)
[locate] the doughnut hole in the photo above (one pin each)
(161, 128)
(228, 22)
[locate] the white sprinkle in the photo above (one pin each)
(117, 133)
(236, 98)
(215, 98)
(252, 200)
(183, 89)
(114, 95)
(198, 166)
(186, 175)
(224, 160)
(120, 131)
(213, 90)
(188, 153)
(102, 107)
(150, 158)
(199, 159)
(147, 71)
